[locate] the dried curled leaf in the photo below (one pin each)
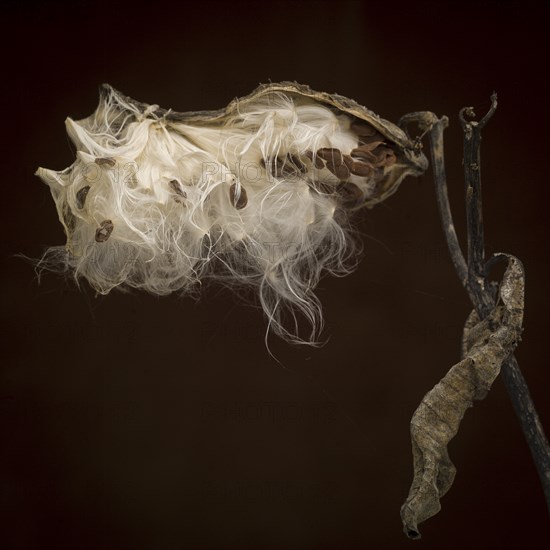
(486, 345)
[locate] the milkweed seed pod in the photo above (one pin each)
(258, 194)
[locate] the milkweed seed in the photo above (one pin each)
(384, 156)
(290, 167)
(242, 200)
(363, 153)
(81, 196)
(349, 194)
(103, 232)
(321, 187)
(176, 187)
(341, 171)
(318, 162)
(368, 140)
(358, 167)
(362, 129)
(295, 160)
(331, 154)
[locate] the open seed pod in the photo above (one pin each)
(380, 151)
(257, 194)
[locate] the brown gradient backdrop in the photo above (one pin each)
(133, 422)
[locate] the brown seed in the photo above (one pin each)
(368, 140)
(331, 154)
(358, 167)
(371, 145)
(295, 160)
(68, 217)
(288, 168)
(318, 162)
(81, 196)
(362, 169)
(277, 167)
(103, 232)
(341, 171)
(362, 129)
(322, 187)
(176, 187)
(349, 194)
(363, 153)
(384, 156)
(242, 200)
(107, 161)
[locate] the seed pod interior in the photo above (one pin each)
(258, 194)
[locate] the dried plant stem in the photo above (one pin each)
(473, 274)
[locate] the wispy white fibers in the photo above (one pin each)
(162, 203)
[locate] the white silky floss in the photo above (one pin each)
(259, 197)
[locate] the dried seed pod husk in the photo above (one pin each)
(410, 161)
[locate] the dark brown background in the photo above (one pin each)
(133, 422)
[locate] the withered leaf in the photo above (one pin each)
(486, 345)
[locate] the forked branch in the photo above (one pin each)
(490, 336)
